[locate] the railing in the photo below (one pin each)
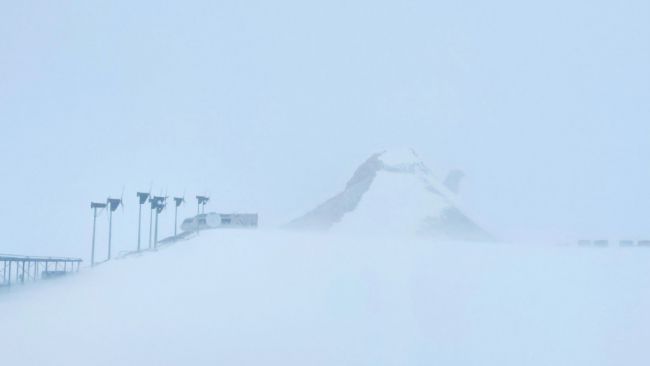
(16, 269)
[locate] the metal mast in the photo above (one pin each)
(113, 203)
(94, 206)
(158, 204)
(201, 200)
(142, 197)
(179, 201)
(151, 208)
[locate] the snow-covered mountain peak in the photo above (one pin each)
(400, 159)
(404, 160)
(394, 192)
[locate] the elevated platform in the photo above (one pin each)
(20, 269)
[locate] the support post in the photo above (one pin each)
(110, 231)
(176, 220)
(92, 253)
(150, 226)
(139, 225)
(155, 240)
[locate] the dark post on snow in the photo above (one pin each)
(113, 204)
(202, 200)
(179, 201)
(95, 206)
(157, 203)
(142, 198)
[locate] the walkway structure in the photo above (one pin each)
(16, 269)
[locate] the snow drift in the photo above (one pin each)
(395, 193)
(283, 298)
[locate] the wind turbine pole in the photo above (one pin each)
(139, 225)
(150, 225)
(157, 203)
(92, 253)
(155, 238)
(143, 199)
(110, 232)
(201, 201)
(94, 206)
(113, 203)
(178, 201)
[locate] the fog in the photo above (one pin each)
(253, 297)
(270, 106)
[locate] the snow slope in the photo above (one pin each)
(395, 193)
(281, 298)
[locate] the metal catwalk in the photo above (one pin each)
(15, 269)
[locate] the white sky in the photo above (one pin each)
(270, 105)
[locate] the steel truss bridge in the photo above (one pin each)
(16, 269)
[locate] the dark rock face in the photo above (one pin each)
(333, 210)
